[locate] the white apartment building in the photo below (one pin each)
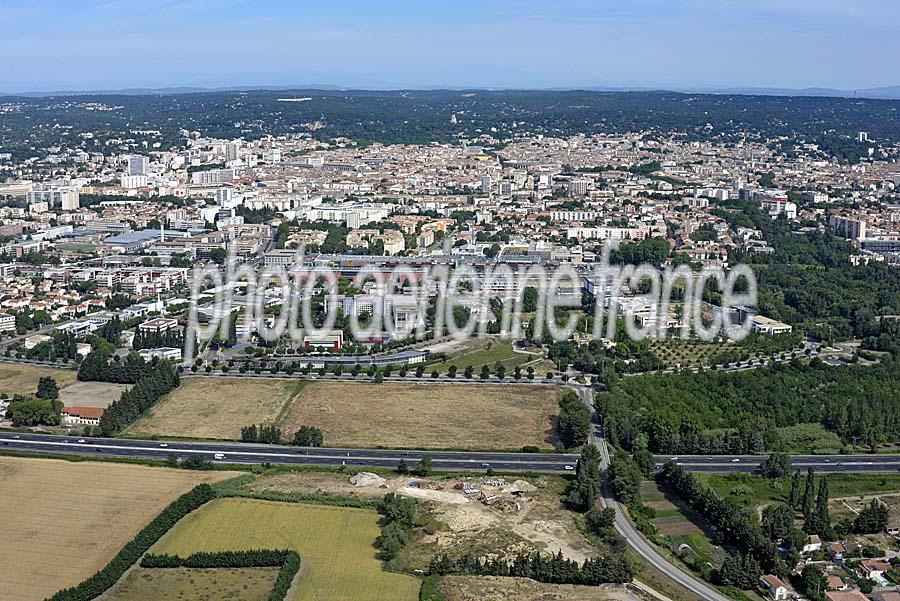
(607, 233)
(132, 182)
(212, 177)
(578, 186)
(848, 227)
(67, 200)
(575, 215)
(138, 165)
(7, 322)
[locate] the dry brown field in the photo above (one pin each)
(216, 407)
(20, 378)
(65, 520)
(427, 416)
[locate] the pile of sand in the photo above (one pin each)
(367, 479)
(519, 486)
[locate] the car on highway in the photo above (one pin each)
(219, 456)
(80, 441)
(568, 468)
(163, 444)
(735, 460)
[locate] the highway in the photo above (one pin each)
(237, 453)
(284, 455)
(388, 458)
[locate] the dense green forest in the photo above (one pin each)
(738, 412)
(422, 116)
(809, 281)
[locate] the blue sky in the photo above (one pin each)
(86, 44)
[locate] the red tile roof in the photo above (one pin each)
(84, 412)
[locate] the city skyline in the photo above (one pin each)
(696, 45)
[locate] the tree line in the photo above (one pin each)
(554, 569)
(574, 424)
(305, 436)
(159, 378)
(97, 367)
(736, 525)
(171, 338)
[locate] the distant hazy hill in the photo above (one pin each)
(885, 92)
(175, 90)
(425, 116)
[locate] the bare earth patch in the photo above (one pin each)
(216, 407)
(540, 522)
(427, 416)
(72, 518)
(91, 394)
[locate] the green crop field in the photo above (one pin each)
(173, 584)
(338, 562)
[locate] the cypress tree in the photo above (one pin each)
(795, 490)
(808, 493)
(823, 517)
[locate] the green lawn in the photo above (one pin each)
(338, 559)
(486, 352)
(753, 491)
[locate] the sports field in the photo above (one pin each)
(65, 520)
(216, 407)
(427, 416)
(338, 560)
(20, 378)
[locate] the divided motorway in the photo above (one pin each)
(254, 453)
(389, 458)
